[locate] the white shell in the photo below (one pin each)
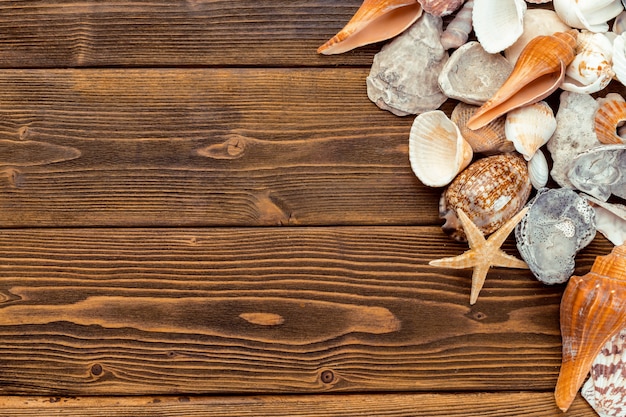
(619, 58)
(619, 26)
(610, 220)
(437, 151)
(530, 127)
(591, 70)
(538, 170)
(592, 15)
(498, 23)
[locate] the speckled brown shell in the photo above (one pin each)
(490, 191)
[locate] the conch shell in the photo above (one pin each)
(538, 72)
(593, 310)
(374, 21)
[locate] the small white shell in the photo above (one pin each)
(498, 23)
(530, 127)
(592, 15)
(619, 26)
(591, 70)
(437, 151)
(538, 170)
(619, 58)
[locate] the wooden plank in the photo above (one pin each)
(510, 404)
(272, 310)
(203, 147)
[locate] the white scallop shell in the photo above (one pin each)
(538, 170)
(530, 127)
(592, 15)
(592, 67)
(619, 58)
(498, 23)
(437, 151)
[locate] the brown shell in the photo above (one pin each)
(539, 71)
(374, 21)
(490, 191)
(593, 310)
(608, 117)
(489, 139)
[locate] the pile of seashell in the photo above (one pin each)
(490, 152)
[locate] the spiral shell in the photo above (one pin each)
(490, 191)
(441, 7)
(458, 30)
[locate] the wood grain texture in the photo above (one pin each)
(272, 310)
(510, 404)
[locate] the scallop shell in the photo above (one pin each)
(374, 21)
(591, 70)
(593, 310)
(437, 150)
(538, 72)
(489, 139)
(530, 127)
(600, 171)
(619, 58)
(441, 7)
(592, 15)
(490, 191)
(498, 23)
(538, 170)
(610, 115)
(458, 30)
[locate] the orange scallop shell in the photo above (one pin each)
(593, 309)
(610, 114)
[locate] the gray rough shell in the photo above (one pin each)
(600, 171)
(558, 224)
(490, 191)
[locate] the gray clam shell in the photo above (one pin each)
(600, 171)
(558, 224)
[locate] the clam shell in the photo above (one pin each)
(530, 127)
(374, 21)
(593, 310)
(498, 23)
(592, 15)
(441, 7)
(610, 219)
(591, 70)
(489, 139)
(490, 191)
(458, 30)
(600, 171)
(619, 58)
(437, 150)
(558, 225)
(610, 115)
(538, 170)
(538, 72)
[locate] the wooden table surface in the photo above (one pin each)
(203, 217)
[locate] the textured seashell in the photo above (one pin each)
(530, 127)
(538, 170)
(605, 390)
(490, 191)
(592, 15)
(538, 1)
(498, 23)
(619, 25)
(374, 21)
(489, 139)
(437, 150)
(610, 219)
(441, 7)
(558, 225)
(458, 30)
(593, 310)
(600, 171)
(610, 115)
(591, 70)
(472, 75)
(619, 58)
(538, 72)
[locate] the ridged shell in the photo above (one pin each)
(538, 170)
(498, 23)
(591, 70)
(530, 127)
(437, 150)
(593, 310)
(592, 15)
(490, 191)
(458, 30)
(619, 58)
(441, 7)
(538, 72)
(374, 21)
(610, 115)
(489, 139)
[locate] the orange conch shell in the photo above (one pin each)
(593, 309)
(538, 72)
(375, 21)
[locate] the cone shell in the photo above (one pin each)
(498, 23)
(530, 127)
(610, 115)
(374, 21)
(437, 151)
(458, 30)
(489, 139)
(593, 310)
(538, 72)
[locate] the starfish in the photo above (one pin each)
(483, 254)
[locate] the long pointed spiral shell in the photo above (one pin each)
(458, 30)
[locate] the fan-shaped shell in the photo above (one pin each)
(592, 15)
(538, 72)
(610, 115)
(374, 21)
(530, 127)
(489, 139)
(498, 23)
(437, 151)
(591, 70)
(619, 58)
(593, 310)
